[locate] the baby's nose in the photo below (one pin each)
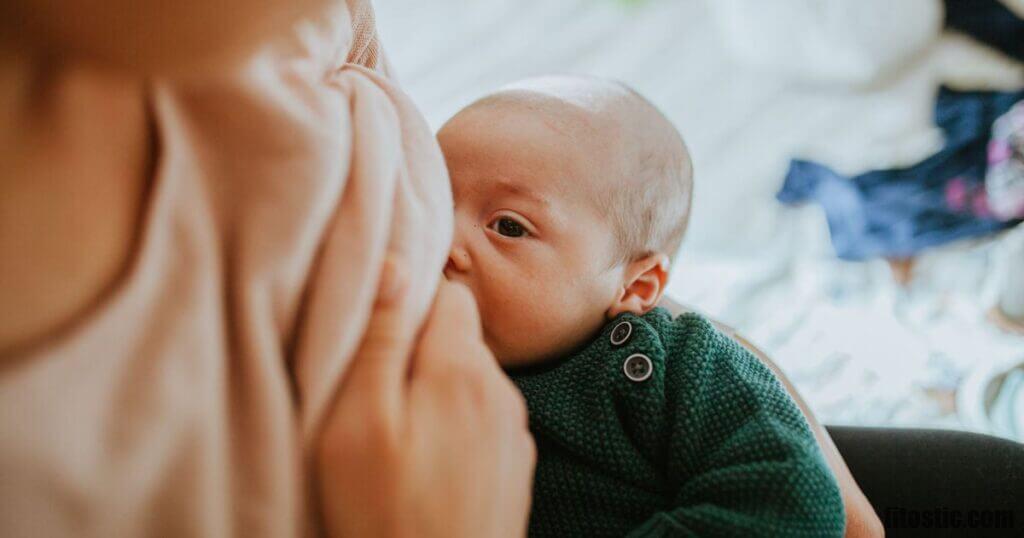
(458, 260)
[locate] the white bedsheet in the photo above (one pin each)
(861, 348)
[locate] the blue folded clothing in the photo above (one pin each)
(897, 213)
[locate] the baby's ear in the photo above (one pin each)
(643, 284)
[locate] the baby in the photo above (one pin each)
(571, 196)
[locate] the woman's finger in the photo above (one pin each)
(452, 335)
(380, 366)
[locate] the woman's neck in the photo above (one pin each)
(76, 154)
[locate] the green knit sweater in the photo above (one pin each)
(663, 427)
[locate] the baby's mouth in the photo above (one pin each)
(451, 274)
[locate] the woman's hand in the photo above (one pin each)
(427, 437)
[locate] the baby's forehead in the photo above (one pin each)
(616, 132)
(595, 138)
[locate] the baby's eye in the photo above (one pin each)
(509, 227)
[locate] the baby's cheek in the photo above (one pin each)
(533, 327)
(523, 324)
(536, 311)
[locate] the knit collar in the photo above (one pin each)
(600, 345)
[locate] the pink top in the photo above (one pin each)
(187, 402)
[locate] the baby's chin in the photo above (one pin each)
(510, 357)
(507, 358)
(520, 364)
(519, 357)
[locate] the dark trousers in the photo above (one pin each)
(935, 482)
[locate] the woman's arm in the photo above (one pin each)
(861, 520)
(721, 485)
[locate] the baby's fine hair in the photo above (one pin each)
(651, 211)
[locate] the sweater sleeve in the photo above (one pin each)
(739, 456)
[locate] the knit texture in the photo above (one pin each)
(709, 445)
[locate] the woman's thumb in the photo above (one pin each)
(380, 365)
(393, 281)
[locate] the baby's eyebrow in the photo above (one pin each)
(523, 192)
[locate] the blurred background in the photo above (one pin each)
(877, 284)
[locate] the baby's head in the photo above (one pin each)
(572, 195)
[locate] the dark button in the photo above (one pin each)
(638, 367)
(621, 332)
